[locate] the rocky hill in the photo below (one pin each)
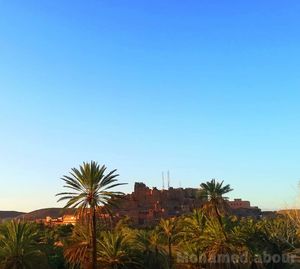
(36, 214)
(10, 214)
(45, 212)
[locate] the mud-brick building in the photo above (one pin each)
(146, 206)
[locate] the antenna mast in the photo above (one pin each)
(168, 179)
(163, 180)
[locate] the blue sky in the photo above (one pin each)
(205, 89)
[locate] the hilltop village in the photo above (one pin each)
(146, 206)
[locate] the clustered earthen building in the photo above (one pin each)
(146, 206)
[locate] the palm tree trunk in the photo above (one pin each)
(170, 252)
(94, 240)
(220, 221)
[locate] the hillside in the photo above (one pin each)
(45, 212)
(10, 214)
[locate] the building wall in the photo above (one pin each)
(239, 203)
(147, 206)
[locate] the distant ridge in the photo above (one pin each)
(45, 212)
(289, 211)
(10, 214)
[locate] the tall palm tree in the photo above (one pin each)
(216, 204)
(91, 188)
(19, 246)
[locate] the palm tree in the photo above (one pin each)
(217, 244)
(191, 232)
(19, 246)
(91, 189)
(114, 250)
(279, 236)
(216, 204)
(76, 248)
(193, 225)
(168, 229)
(248, 239)
(149, 251)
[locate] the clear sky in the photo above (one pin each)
(205, 89)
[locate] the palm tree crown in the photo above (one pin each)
(90, 187)
(213, 191)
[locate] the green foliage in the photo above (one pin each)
(195, 240)
(20, 247)
(114, 250)
(198, 235)
(149, 250)
(53, 239)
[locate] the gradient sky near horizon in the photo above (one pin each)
(205, 89)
